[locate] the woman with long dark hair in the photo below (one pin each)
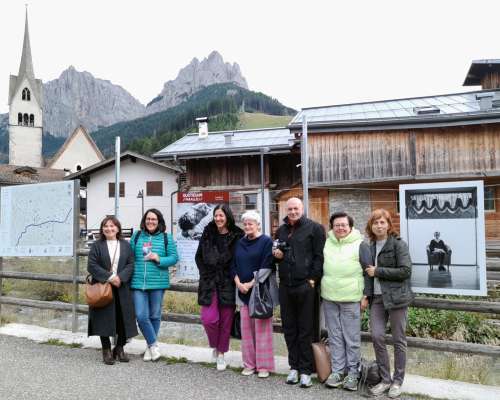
(111, 260)
(388, 291)
(216, 288)
(155, 251)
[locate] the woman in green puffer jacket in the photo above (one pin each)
(155, 251)
(342, 290)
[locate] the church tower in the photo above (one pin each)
(25, 111)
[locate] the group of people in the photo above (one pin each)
(348, 273)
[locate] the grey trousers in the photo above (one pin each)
(343, 321)
(378, 321)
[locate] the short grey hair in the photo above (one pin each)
(252, 215)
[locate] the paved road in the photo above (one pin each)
(29, 370)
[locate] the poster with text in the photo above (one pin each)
(443, 224)
(194, 212)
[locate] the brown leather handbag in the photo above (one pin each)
(99, 294)
(322, 361)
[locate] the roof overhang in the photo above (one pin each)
(478, 69)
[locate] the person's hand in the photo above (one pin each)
(242, 287)
(311, 283)
(364, 303)
(277, 253)
(116, 281)
(370, 270)
(153, 257)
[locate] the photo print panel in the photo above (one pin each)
(443, 224)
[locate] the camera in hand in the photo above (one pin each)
(281, 245)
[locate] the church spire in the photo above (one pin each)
(26, 66)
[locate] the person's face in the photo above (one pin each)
(250, 227)
(110, 230)
(341, 227)
(151, 221)
(380, 227)
(220, 219)
(436, 235)
(294, 210)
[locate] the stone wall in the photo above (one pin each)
(356, 203)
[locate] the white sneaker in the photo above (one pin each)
(155, 352)
(147, 355)
(247, 371)
(380, 388)
(293, 377)
(305, 381)
(263, 374)
(221, 363)
(394, 390)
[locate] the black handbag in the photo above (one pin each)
(260, 305)
(236, 326)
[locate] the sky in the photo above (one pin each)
(304, 53)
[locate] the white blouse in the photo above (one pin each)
(113, 245)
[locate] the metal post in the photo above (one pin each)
(76, 258)
(76, 273)
(117, 177)
(1, 270)
(262, 184)
(305, 168)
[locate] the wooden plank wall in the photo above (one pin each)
(224, 171)
(386, 199)
(491, 81)
(492, 219)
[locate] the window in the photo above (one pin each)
(489, 198)
(111, 189)
(26, 94)
(19, 119)
(250, 201)
(32, 120)
(25, 119)
(154, 188)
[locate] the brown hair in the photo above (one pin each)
(377, 214)
(115, 221)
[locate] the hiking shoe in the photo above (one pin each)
(305, 381)
(350, 383)
(293, 377)
(395, 390)
(221, 363)
(380, 388)
(247, 371)
(335, 380)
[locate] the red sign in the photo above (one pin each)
(203, 197)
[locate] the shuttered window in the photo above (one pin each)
(154, 188)
(111, 189)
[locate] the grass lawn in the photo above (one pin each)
(259, 120)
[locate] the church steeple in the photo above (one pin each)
(26, 66)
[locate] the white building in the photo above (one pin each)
(78, 152)
(144, 184)
(25, 111)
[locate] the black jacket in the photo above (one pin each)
(303, 259)
(394, 273)
(215, 266)
(102, 321)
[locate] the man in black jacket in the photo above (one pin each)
(299, 252)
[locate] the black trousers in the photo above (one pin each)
(297, 306)
(120, 326)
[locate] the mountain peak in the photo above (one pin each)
(194, 77)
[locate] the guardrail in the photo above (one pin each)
(420, 302)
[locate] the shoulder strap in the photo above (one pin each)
(165, 240)
(136, 237)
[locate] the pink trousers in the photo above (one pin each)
(217, 321)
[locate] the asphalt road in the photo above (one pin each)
(29, 370)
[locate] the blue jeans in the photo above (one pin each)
(148, 312)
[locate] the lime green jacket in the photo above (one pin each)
(342, 273)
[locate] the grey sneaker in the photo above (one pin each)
(380, 388)
(305, 381)
(293, 377)
(350, 383)
(395, 390)
(334, 380)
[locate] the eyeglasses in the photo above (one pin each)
(151, 219)
(340, 225)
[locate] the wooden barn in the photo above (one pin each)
(360, 153)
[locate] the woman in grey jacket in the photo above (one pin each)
(388, 291)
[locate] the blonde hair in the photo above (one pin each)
(377, 214)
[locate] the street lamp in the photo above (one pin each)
(140, 195)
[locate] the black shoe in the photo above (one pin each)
(442, 268)
(107, 357)
(119, 354)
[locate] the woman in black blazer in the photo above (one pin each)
(111, 260)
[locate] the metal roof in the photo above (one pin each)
(241, 142)
(478, 69)
(410, 110)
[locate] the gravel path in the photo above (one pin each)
(29, 370)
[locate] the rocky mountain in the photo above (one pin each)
(78, 98)
(194, 77)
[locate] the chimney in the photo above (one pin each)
(485, 101)
(228, 137)
(202, 127)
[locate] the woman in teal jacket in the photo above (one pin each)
(342, 290)
(155, 251)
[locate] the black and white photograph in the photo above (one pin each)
(443, 224)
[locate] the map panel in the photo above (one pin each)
(37, 220)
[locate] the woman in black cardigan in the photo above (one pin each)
(111, 260)
(216, 290)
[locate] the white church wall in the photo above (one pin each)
(135, 176)
(78, 152)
